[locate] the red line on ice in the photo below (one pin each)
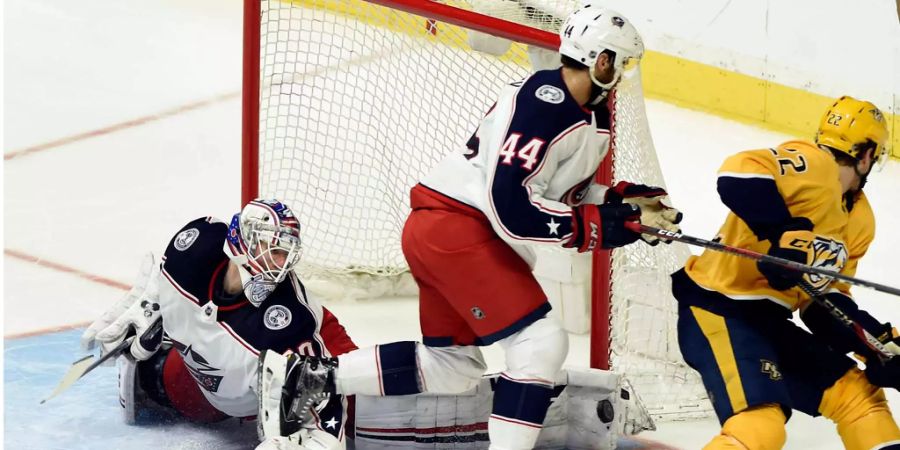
(65, 269)
(122, 125)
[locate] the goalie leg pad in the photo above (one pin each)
(760, 428)
(861, 412)
(161, 388)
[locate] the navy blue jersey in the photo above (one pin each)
(532, 157)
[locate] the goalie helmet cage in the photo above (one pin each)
(347, 103)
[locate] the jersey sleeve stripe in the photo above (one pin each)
(238, 338)
(746, 175)
(178, 288)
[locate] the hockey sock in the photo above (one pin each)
(518, 414)
(759, 428)
(389, 369)
(861, 413)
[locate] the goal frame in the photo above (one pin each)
(600, 345)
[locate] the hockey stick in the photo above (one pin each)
(781, 262)
(84, 365)
(871, 341)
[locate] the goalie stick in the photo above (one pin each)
(84, 365)
(781, 262)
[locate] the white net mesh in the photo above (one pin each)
(358, 102)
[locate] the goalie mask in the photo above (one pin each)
(264, 241)
(590, 30)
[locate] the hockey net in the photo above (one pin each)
(348, 103)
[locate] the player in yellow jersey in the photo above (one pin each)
(801, 201)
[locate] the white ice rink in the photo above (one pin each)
(122, 122)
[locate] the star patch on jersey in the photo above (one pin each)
(277, 317)
(550, 94)
(184, 239)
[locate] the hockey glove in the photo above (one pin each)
(135, 314)
(654, 203)
(884, 373)
(838, 335)
(602, 226)
(797, 243)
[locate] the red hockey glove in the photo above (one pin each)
(602, 226)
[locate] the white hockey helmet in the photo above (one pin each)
(264, 241)
(590, 30)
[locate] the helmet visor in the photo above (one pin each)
(277, 250)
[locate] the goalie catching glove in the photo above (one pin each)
(136, 314)
(654, 204)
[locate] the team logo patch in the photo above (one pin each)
(478, 313)
(277, 317)
(184, 239)
(827, 254)
(770, 368)
(199, 367)
(550, 94)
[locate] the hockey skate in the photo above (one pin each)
(289, 387)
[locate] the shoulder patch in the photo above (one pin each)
(277, 317)
(186, 238)
(550, 94)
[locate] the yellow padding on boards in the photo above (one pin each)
(713, 327)
(760, 428)
(677, 80)
(860, 411)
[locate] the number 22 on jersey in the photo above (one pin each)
(528, 153)
(789, 159)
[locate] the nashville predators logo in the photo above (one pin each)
(826, 254)
(876, 114)
(770, 368)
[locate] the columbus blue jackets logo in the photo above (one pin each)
(277, 317)
(199, 368)
(184, 239)
(550, 94)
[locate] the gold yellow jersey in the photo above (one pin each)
(807, 180)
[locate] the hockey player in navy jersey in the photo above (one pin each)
(224, 293)
(524, 179)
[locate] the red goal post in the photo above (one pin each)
(280, 117)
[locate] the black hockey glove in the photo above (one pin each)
(884, 374)
(788, 244)
(627, 190)
(838, 335)
(602, 226)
